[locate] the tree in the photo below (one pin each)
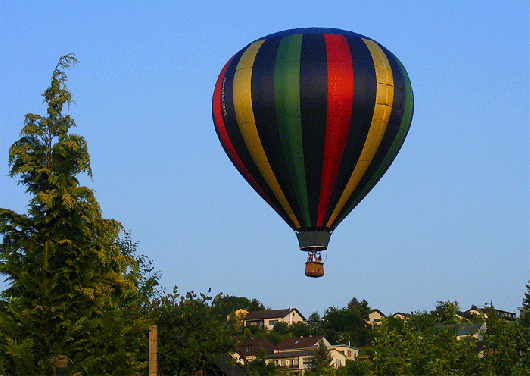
(73, 276)
(445, 312)
(228, 304)
(507, 345)
(258, 366)
(315, 322)
(300, 329)
(433, 350)
(191, 334)
(282, 328)
(526, 300)
(321, 360)
(359, 306)
(345, 326)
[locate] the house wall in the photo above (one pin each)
(374, 318)
(342, 353)
(290, 319)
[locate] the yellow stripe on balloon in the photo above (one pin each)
(382, 110)
(247, 124)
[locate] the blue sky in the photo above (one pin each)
(449, 221)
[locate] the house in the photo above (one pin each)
(269, 317)
(506, 315)
(483, 312)
(375, 316)
(341, 353)
(248, 349)
(296, 354)
(474, 330)
(238, 317)
(400, 315)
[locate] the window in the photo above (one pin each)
(349, 353)
(273, 322)
(248, 348)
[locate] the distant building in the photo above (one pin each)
(483, 312)
(248, 349)
(400, 315)
(268, 318)
(297, 354)
(375, 316)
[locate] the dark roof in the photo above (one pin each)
(402, 313)
(224, 363)
(270, 314)
(297, 343)
(376, 310)
(255, 345)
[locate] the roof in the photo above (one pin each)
(290, 354)
(343, 345)
(470, 329)
(401, 313)
(271, 314)
(255, 345)
(378, 311)
(224, 363)
(297, 343)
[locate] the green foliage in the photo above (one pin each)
(435, 350)
(321, 361)
(282, 328)
(227, 304)
(526, 299)
(361, 307)
(258, 367)
(191, 334)
(427, 344)
(73, 276)
(507, 345)
(445, 312)
(345, 326)
(300, 329)
(356, 367)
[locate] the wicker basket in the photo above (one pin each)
(314, 269)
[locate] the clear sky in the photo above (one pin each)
(449, 221)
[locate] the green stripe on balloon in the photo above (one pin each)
(287, 99)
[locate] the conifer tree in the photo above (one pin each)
(526, 300)
(72, 276)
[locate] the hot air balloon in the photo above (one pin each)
(312, 118)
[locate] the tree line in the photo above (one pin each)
(79, 291)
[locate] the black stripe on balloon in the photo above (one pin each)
(370, 179)
(364, 96)
(313, 107)
(263, 106)
(237, 140)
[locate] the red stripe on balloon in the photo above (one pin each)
(225, 139)
(339, 107)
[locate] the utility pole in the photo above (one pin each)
(153, 348)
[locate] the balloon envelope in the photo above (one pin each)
(312, 119)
